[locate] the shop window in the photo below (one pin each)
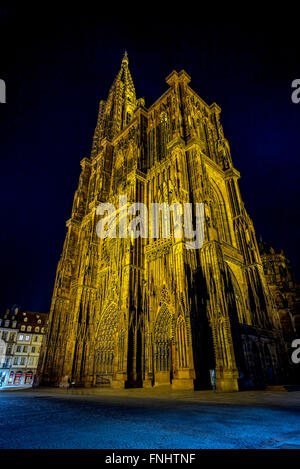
(18, 378)
(28, 377)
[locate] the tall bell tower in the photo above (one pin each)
(147, 311)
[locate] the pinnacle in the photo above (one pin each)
(125, 57)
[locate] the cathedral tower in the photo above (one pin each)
(148, 311)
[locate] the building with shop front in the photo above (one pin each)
(21, 338)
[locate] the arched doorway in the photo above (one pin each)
(181, 344)
(106, 347)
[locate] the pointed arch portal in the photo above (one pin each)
(163, 347)
(106, 350)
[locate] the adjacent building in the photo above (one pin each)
(21, 337)
(284, 287)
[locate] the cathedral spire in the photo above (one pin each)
(117, 111)
(125, 57)
(124, 76)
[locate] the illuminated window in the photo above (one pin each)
(29, 328)
(6, 324)
(37, 329)
(27, 338)
(21, 337)
(14, 324)
(23, 328)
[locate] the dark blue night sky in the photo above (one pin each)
(58, 66)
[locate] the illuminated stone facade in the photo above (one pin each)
(149, 312)
(284, 289)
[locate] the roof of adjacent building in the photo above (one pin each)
(22, 317)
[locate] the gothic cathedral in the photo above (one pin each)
(148, 311)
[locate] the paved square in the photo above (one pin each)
(154, 418)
